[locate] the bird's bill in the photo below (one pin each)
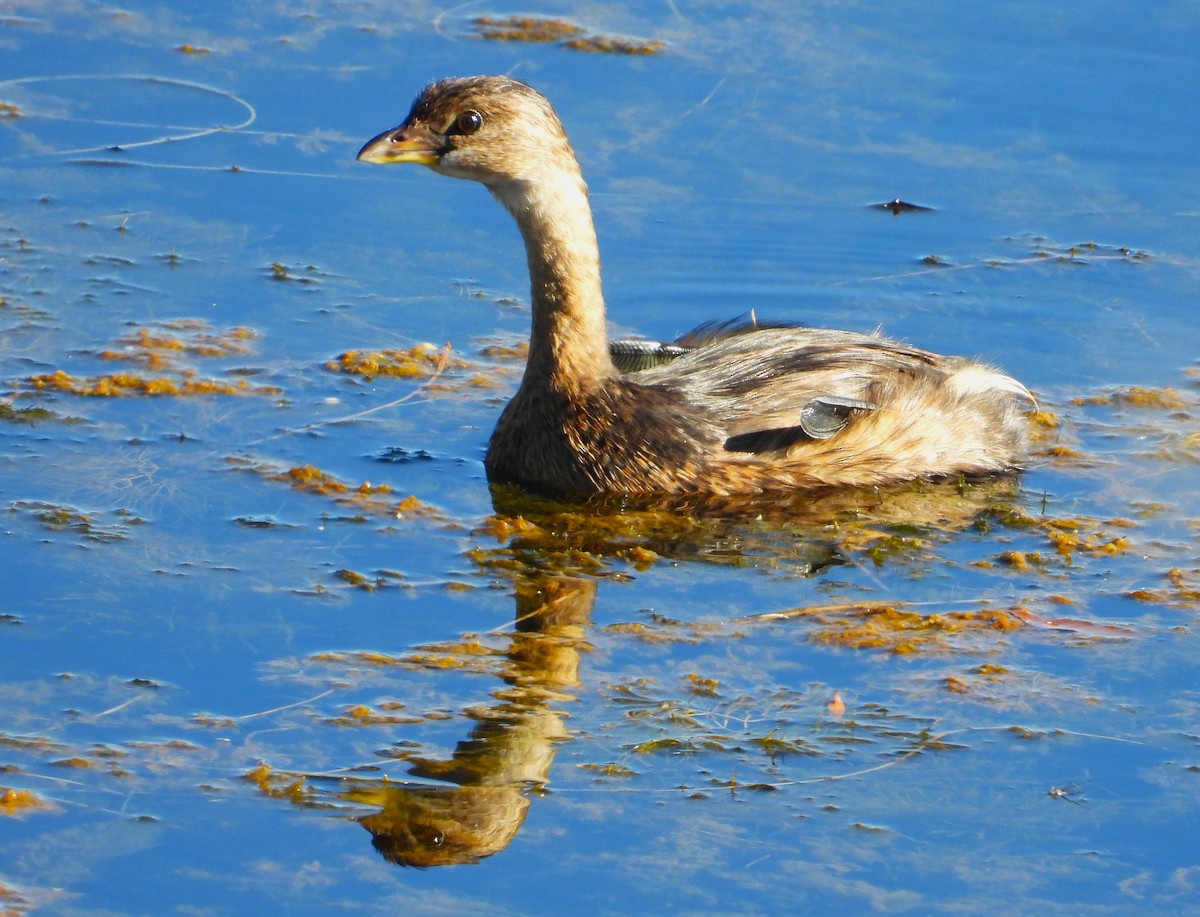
(403, 144)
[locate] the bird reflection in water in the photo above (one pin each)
(471, 805)
(508, 753)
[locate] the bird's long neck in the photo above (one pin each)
(568, 346)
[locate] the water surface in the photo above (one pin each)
(240, 663)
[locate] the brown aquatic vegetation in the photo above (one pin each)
(903, 628)
(279, 786)
(120, 384)
(1137, 396)
(21, 802)
(420, 361)
(285, 274)
(1067, 537)
(1160, 420)
(525, 28)
(611, 769)
(375, 499)
(615, 44)
(386, 714)
(750, 408)
(162, 350)
(159, 347)
(902, 631)
(434, 366)
(1181, 590)
(540, 29)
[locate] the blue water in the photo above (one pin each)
(669, 739)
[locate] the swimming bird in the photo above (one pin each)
(749, 408)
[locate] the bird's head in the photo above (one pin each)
(489, 129)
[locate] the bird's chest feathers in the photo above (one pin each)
(613, 438)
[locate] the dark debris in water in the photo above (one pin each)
(379, 579)
(104, 526)
(896, 207)
(307, 274)
(1083, 252)
(398, 455)
(31, 415)
(263, 522)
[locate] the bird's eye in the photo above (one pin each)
(467, 123)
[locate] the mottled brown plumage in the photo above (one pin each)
(744, 409)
